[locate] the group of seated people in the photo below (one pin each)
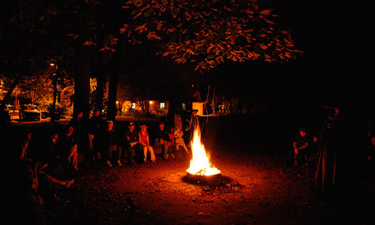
(41, 176)
(132, 145)
(48, 159)
(101, 142)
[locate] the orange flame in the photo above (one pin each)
(200, 162)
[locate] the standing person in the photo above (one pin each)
(337, 166)
(145, 143)
(162, 139)
(109, 140)
(300, 146)
(131, 140)
(327, 153)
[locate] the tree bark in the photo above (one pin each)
(117, 69)
(101, 82)
(82, 77)
(82, 82)
(112, 93)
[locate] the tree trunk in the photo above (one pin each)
(112, 92)
(117, 68)
(82, 77)
(82, 82)
(101, 82)
(55, 78)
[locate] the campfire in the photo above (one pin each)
(200, 164)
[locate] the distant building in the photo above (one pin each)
(198, 106)
(156, 99)
(149, 107)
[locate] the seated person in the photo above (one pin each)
(69, 148)
(109, 141)
(162, 139)
(145, 143)
(300, 146)
(179, 141)
(131, 140)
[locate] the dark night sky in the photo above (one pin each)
(334, 38)
(334, 69)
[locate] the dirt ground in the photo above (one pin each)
(254, 190)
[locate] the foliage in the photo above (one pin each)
(209, 33)
(39, 32)
(205, 33)
(36, 88)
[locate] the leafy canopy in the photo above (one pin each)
(210, 32)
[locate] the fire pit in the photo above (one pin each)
(202, 179)
(201, 170)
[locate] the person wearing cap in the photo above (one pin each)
(300, 146)
(110, 141)
(131, 140)
(144, 140)
(162, 139)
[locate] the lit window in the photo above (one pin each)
(183, 106)
(133, 105)
(162, 105)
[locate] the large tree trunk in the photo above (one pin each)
(100, 72)
(82, 77)
(112, 92)
(82, 81)
(101, 82)
(117, 69)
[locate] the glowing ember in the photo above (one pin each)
(200, 163)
